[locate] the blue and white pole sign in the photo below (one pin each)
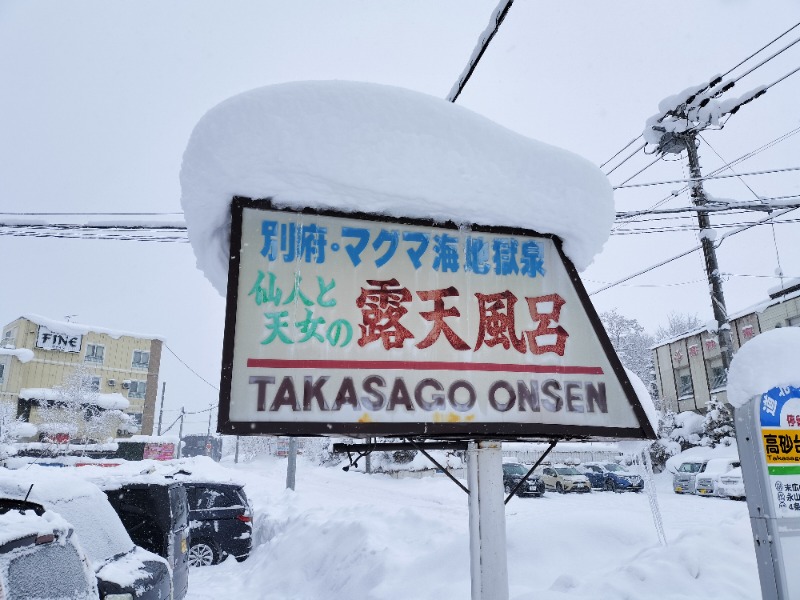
(768, 435)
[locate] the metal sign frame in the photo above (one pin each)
(431, 430)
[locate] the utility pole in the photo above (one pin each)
(208, 433)
(689, 139)
(161, 411)
(180, 432)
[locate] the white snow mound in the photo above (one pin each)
(768, 360)
(379, 149)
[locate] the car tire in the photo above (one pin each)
(559, 488)
(202, 554)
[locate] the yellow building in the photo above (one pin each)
(38, 355)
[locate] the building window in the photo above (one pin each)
(717, 377)
(137, 389)
(8, 338)
(94, 353)
(95, 384)
(141, 359)
(2, 372)
(684, 381)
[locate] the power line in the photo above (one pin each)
(483, 43)
(713, 82)
(685, 253)
(190, 368)
(706, 178)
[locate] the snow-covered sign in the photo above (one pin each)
(353, 324)
(47, 339)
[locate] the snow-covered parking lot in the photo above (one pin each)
(346, 535)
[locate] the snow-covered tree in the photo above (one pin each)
(75, 412)
(718, 425)
(665, 446)
(677, 323)
(632, 343)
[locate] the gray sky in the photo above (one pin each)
(99, 100)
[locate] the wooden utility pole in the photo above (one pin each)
(709, 250)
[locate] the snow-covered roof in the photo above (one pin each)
(372, 148)
(768, 360)
(23, 354)
(81, 329)
(108, 401)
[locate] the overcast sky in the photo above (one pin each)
(99, 99)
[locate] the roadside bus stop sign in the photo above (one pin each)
(768, 436)
(363, 325)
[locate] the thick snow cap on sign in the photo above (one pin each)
(379, 149)
(768, 360)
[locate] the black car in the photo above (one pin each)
(513, 473)
(155, 513)
(221, 522)
(39, 556)
(112, 554)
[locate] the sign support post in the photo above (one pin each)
(767, 433)
(487, 521)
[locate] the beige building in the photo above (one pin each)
(39, 355)
(689, 367)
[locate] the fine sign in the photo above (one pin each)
(354, 324)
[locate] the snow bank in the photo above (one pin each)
(768, 360)
(366, 147)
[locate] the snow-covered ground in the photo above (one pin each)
(345, 535)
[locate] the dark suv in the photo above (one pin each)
(221, 522)
(514, 472)
(156, 517)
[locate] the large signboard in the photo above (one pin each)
(361, 325)
(54, 340)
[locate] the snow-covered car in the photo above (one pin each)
(123, 570)
(612, 477)
(683, 481)
(707, 480)
(155, 512)
(40, 558)
(563, 478)
(513, 472)
(731, 485)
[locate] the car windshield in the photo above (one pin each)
(97, 525)
(567, 471)
(690, 467)
(615, 468)
(720, 467)
(513, 469)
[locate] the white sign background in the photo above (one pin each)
(47, 339)
(305, 352)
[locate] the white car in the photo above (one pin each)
(706, 482)
(563, 478)
(731, 485)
